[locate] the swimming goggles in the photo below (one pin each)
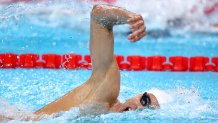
(145, 100)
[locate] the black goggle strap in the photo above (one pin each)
(145, 100)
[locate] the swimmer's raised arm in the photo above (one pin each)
(109, 16)
(104, 84)
(105, 68)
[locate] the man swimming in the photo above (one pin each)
(103, 87)
(104, 84)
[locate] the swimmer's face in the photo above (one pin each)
(135, 103)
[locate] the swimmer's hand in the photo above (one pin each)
(109, 16)
(138, 28)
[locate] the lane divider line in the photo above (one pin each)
(129, 63)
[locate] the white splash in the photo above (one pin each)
(70, 14)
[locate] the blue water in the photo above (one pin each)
(41, 39)
(195, 94)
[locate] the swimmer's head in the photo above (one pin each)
(161, 96)
(150, 99)
(146, 100)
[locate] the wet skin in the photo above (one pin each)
(103, 86)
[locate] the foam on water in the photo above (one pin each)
(50, 23)
(155, 12)
(187, 104)
(194, 95)
(24, 91)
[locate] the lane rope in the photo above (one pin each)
(129, 63)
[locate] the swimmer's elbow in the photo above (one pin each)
(100, 13)
(97, 10)
(109, 15)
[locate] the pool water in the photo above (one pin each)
(195, 95)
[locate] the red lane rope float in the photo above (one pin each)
(179, 63)
(9, 60)
(215, 61)
(86, 63)
(28, 60)
(52, 61)
(211, 9)
(155, 63)
(198, 63)
(1, 57)
(71, 61)
(167, 67)
(122, 65)
(129, 63)
(137, 63)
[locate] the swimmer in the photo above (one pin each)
(103, 87)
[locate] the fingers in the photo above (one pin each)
(136, 38)
(138, 28)
(134, 19)
(139, 31)
(137, 35)
(137, 25)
